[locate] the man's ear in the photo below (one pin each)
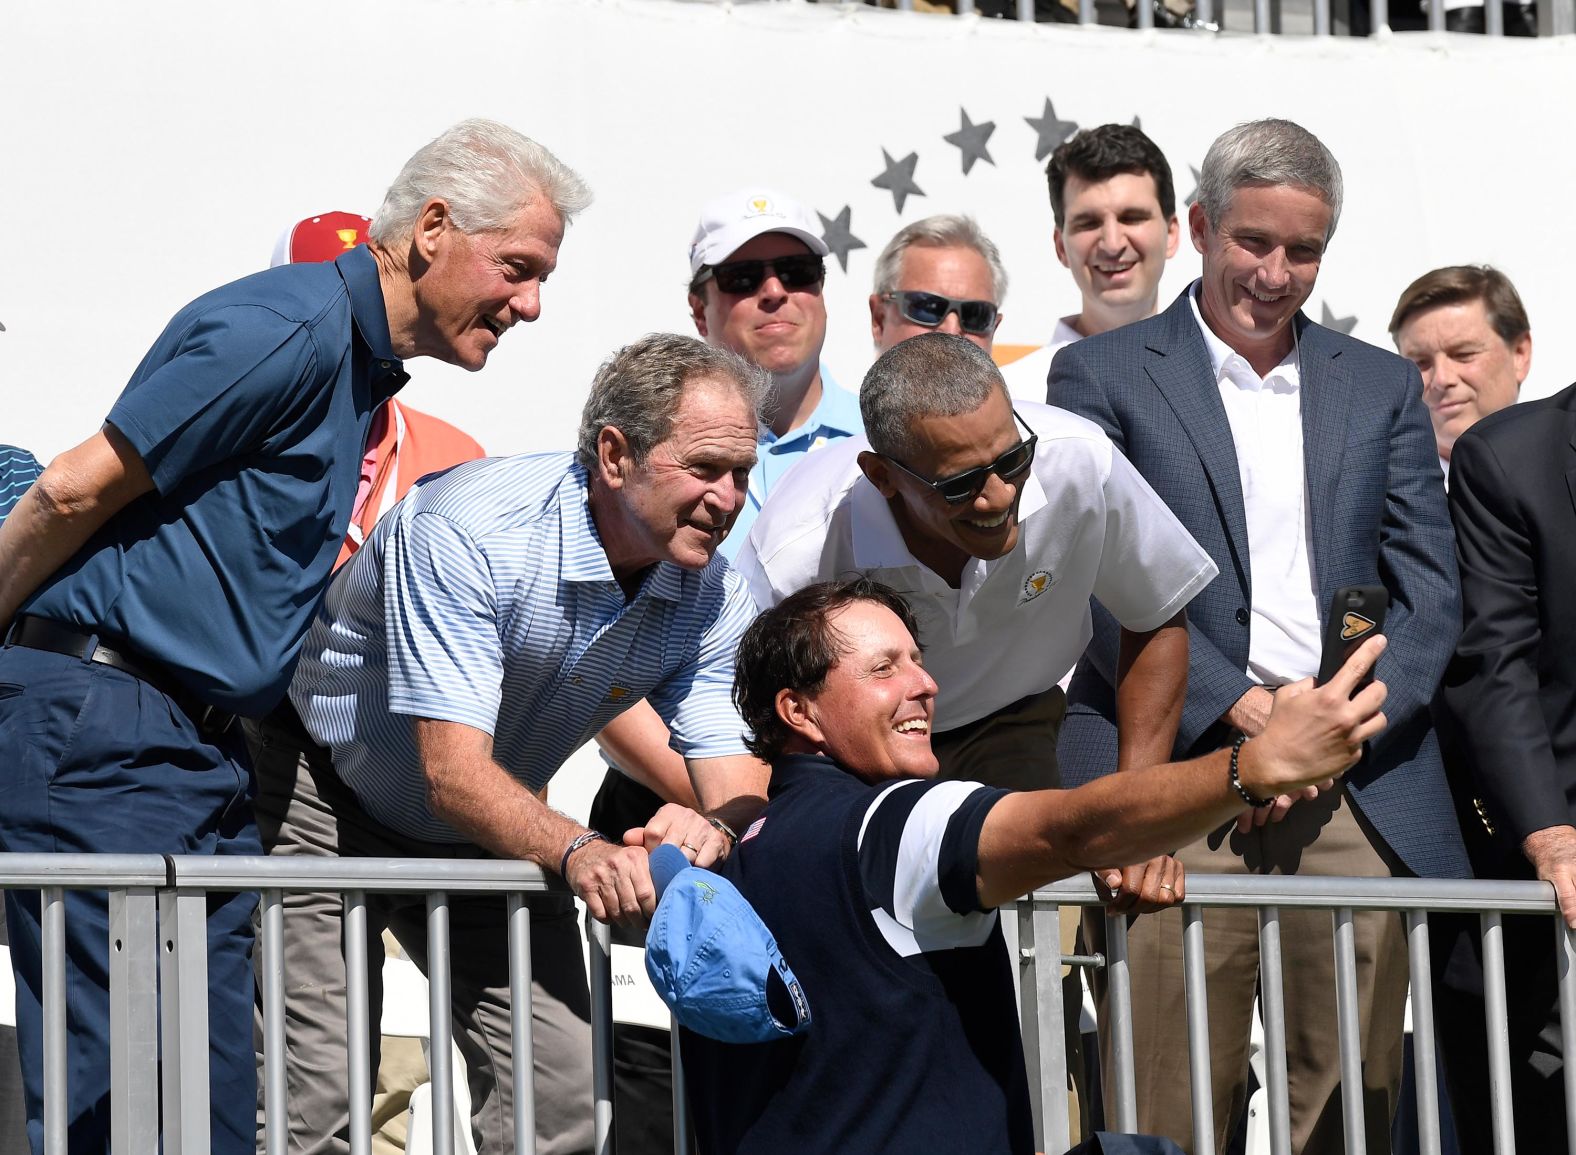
(878, 472)
(1061, 248)
(1198, 225)
(796, 710)
(877, 318)
(1521, 357)
(697, 304)
(1173, 236)
(432, 224)
(613, 458)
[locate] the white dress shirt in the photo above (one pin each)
(1265, 415)
(1026, 377)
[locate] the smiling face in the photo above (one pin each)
(475, 287)
(1260, 262)
(779, 329)
(1468, 369)
(942, 535)
(1115, 240)
(949, 271)
(679, 503)
(872, 713)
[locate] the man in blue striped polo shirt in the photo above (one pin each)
(498, 617)
(18, 470)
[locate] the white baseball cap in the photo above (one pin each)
(729, 222)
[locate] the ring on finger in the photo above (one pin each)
(1166, 886)
(687, 846)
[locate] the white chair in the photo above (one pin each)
(405, 1014)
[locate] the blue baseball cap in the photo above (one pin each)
(713, 961)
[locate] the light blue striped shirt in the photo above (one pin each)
(485, 598)
(18, 470)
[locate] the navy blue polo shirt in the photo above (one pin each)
(871, 892)
(251, 413)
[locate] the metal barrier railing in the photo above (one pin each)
(157, 939)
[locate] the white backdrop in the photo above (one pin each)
(152, 151)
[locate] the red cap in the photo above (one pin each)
(321, 238)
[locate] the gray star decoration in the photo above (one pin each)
(1192, 197)
(1052, 131)
(838, 236)
(1330, 321)
(898, 179)
(971, 140)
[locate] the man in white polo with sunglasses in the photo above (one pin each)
(997, 526)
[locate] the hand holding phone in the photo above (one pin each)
(1356, 614)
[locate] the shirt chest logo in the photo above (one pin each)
(617, 693)
(1036, 584)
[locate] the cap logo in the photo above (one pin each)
(708, 892)
(759, 205)
(1354, 625)
(1035, 584)
(347, 237)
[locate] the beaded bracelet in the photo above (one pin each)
(585, 839)
(1236, 781)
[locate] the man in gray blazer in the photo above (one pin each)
(1303, 461)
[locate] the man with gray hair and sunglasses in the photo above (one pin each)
(159, 578)
(941, 274)
(1304, 462)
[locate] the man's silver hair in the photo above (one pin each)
(942, 231)
(931, 375)
(638, 389)
(1268, 152)
(487, 173)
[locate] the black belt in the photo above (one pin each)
(57, 638)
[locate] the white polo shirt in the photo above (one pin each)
(1088, 524)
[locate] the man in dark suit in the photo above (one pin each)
(1510, 710)
(1303, 461)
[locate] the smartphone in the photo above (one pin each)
(1356, 614)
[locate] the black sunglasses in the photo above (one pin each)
(740, 278)
(930, 309)
(965, 486)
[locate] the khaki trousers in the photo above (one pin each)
(1324, 836)
(1015, 748)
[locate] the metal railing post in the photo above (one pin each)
(520, 1031)
(1565, 964)
(1194, 973)
(1424, 1068)
(1498, 1034)
(358, 1029)
(681, 1119)
(1273, 1004)
(276, 1126)
(52, 912)
(1119, 1004)
(183, 1007)
(440, 1033)
(1051, 1026)
(1348, 1032)
(601, 937)
(134, 1020)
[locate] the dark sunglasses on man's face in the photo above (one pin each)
(965, 486)
(931, 309)
(741, 278)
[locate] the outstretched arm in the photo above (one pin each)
(1314, 735)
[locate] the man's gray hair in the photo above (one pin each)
(1268, 152)
(638, 389)
(942, 231)
(487, 173)
(931, 375)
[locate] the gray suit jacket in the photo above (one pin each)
(1377, 513)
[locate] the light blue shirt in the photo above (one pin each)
(836, 416)
(485, 598)
(18, 470)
